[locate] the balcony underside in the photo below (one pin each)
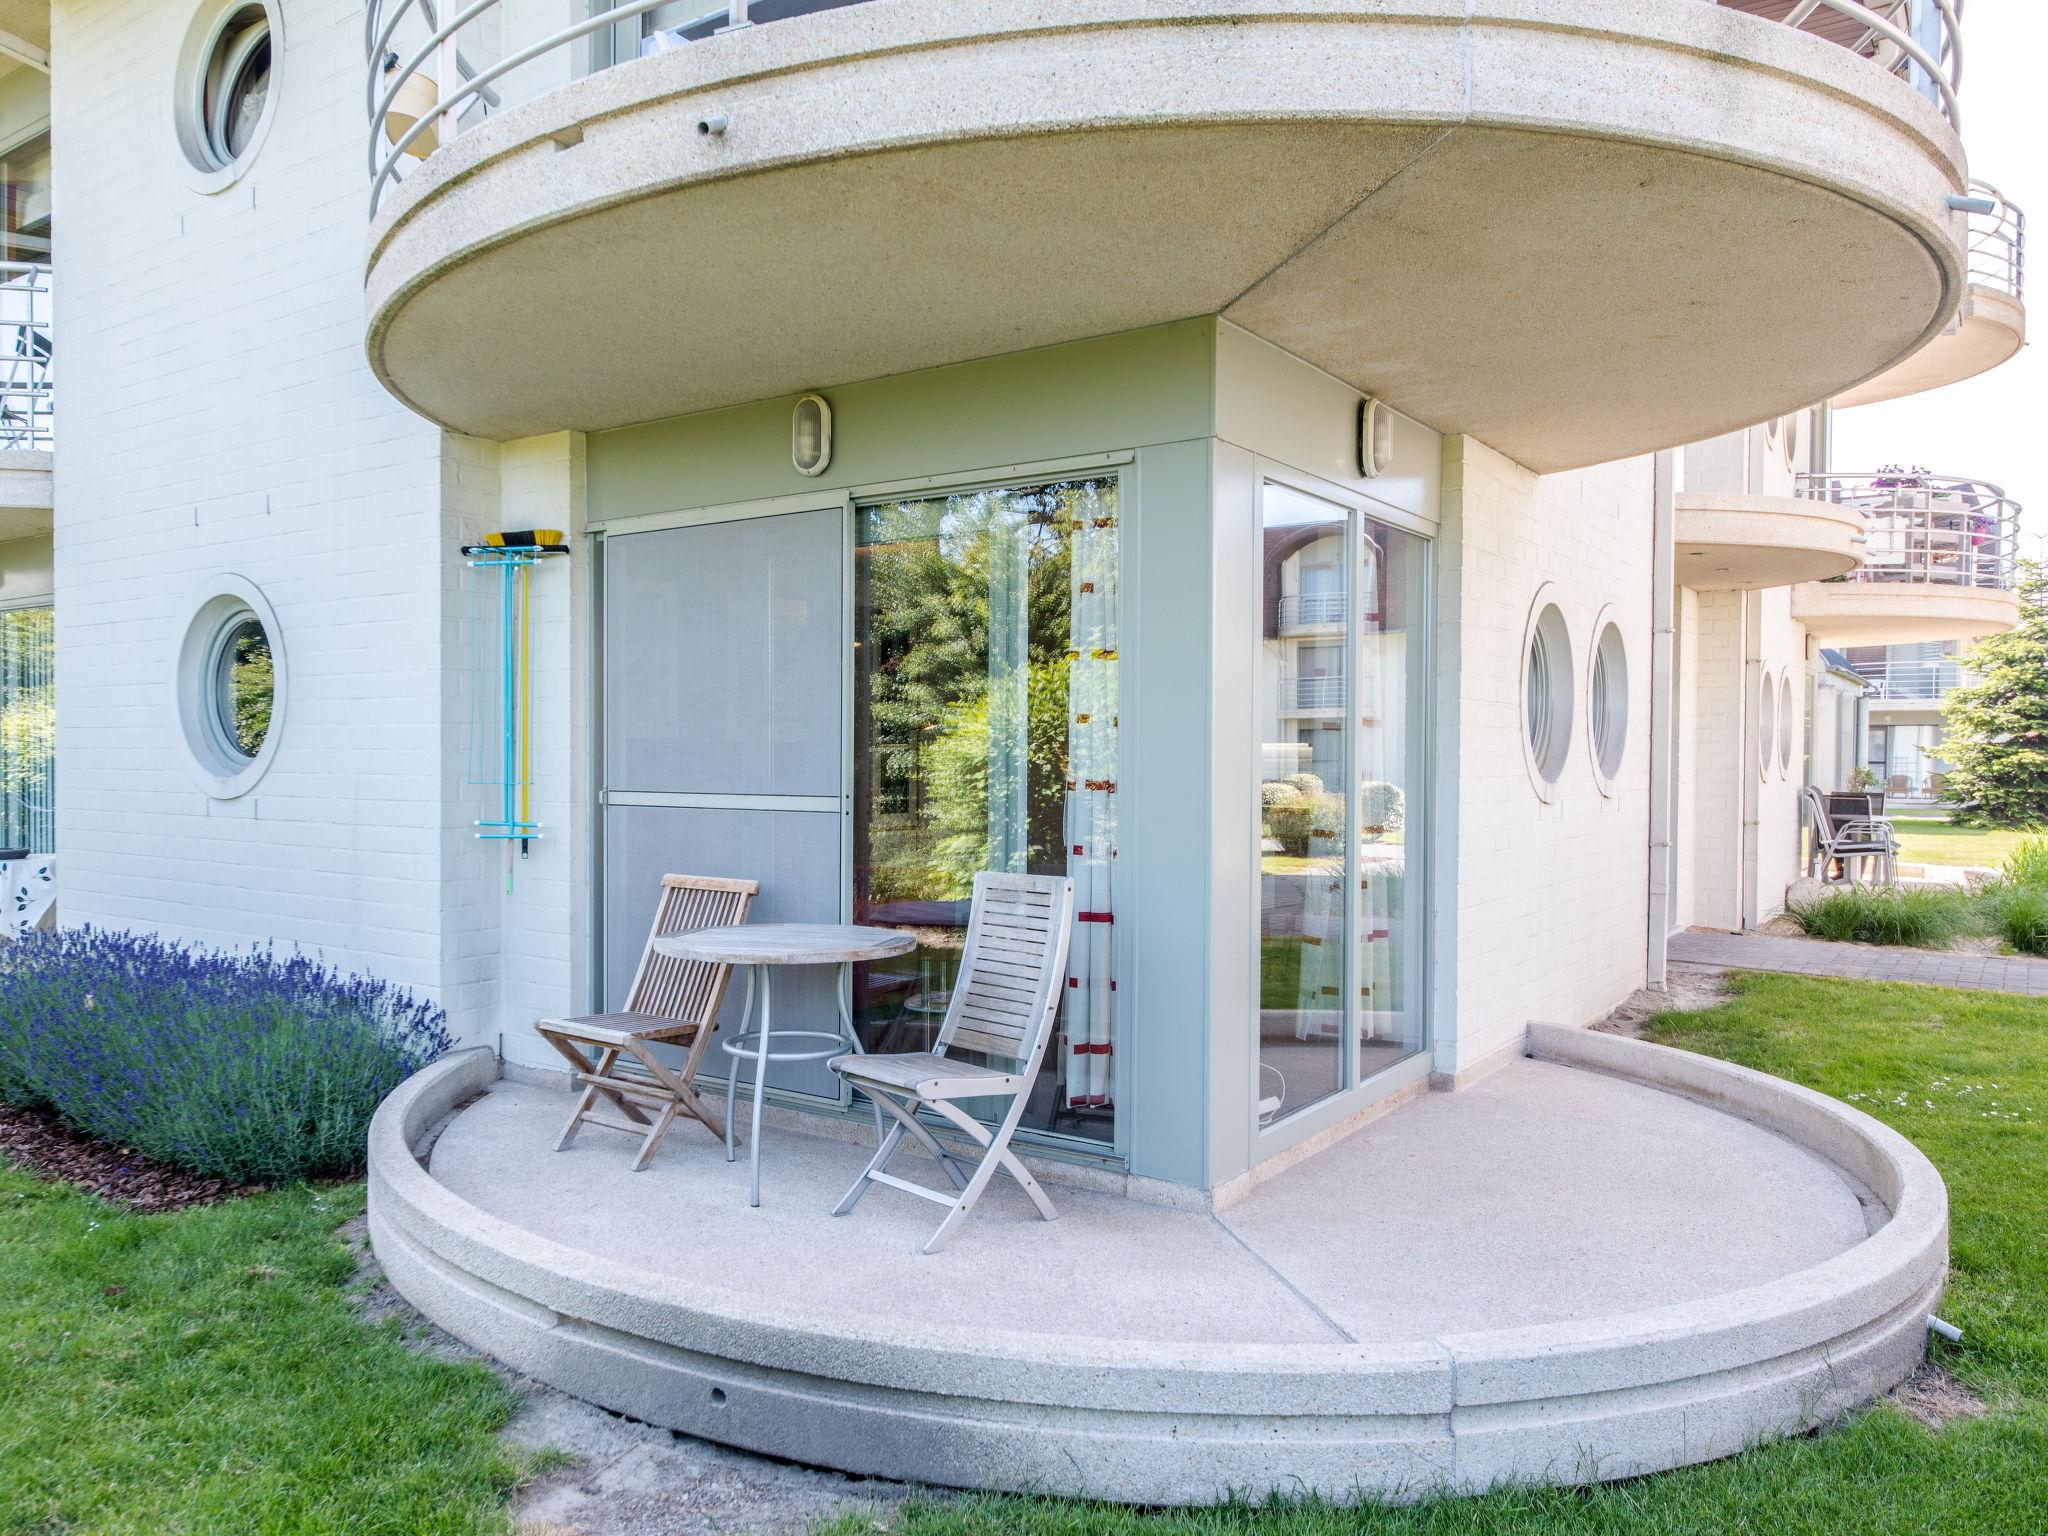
(1901, 612)
(1576, 239)
(1990, 330)
(27, 493)
(1748, 543)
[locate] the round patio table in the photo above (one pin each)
(761, 947)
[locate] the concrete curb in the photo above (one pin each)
(1157, 1423)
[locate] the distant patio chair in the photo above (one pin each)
(671, 1002)
(1842, 840)
(1005, 997)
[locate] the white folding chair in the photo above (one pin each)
(1007, 993)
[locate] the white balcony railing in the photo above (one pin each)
(1998, 243)
(1313, 610)
(1298, 693)
(436, 64)
(1920, 41)
(28, 417)
(1906, 681)
(1935, 530)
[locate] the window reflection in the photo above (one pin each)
(985, 713)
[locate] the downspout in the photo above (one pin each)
(1663, 708)
(1751, 862)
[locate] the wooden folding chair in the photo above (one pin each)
(671, 1002)
(1005, 997)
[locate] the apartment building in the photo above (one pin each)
(1250, 456)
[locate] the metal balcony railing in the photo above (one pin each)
(28, 417)
(1920, 41)
(1313, 610)
(1909, 680)
(434, 63)
(1935, 530)
(1998, 243)
(1311, 692)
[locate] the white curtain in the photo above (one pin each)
(1091, 799)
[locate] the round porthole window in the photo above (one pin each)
(230, 687)
(1766, 722)
(1607, 704)
(1787, 726)
(1547, 694)
(226, 92)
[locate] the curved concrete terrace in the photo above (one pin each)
(1505, 217)
(1987, 331)
(27, 492)
(1729, 543)
(1608, 1261)
(1902, 612)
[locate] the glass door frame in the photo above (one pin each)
(1419, 803)
(1123, 466)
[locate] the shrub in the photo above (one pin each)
(2019, 915)
(1382, 806)
(249, 1067)
(1277, 792)
(2027, 864)
(1311, 821)
(1923, 919)
(1307, 783)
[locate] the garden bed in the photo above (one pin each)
(37, 1142)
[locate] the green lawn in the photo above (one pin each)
(1936, 840)
(1966, 1076)
(206, 1372)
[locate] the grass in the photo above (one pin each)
(1966, 1076)
(206, 1372)
(1937, 840)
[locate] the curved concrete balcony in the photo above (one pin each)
(1728, 543)
(1941, 562)
(1504, 217)
(1432, 1304)
(1991, 326)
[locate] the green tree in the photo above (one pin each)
(1997, 727)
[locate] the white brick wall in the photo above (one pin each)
(1551, 900)
(218, 417)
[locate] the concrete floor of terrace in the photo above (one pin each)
(1606, 1259)
(1357, 1243)
(1858, 962)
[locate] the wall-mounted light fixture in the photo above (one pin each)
(1375, 438)
(810, 436)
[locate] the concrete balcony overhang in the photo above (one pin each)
(1731, 543)
(27, 493)
(1506, 218)
(1989, 330)
(1839, 613)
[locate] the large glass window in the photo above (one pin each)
(28, 730)
(985, 737)
(25, 218)
(1339, 942)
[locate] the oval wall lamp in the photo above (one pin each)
(810, 435)
(1375, 438)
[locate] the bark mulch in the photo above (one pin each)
(39, 1143)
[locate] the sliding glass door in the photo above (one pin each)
(1339, 688)
(985, 738)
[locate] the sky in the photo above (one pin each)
(1993, 427)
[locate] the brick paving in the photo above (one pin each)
(1860, 962)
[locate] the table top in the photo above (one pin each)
(786, 944)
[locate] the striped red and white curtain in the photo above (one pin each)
(1090, 1031)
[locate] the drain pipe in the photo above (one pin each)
(1663, 708)
(1944, 1330)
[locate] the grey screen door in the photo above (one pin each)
(724, 740)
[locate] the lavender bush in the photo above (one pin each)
(252, 1067)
